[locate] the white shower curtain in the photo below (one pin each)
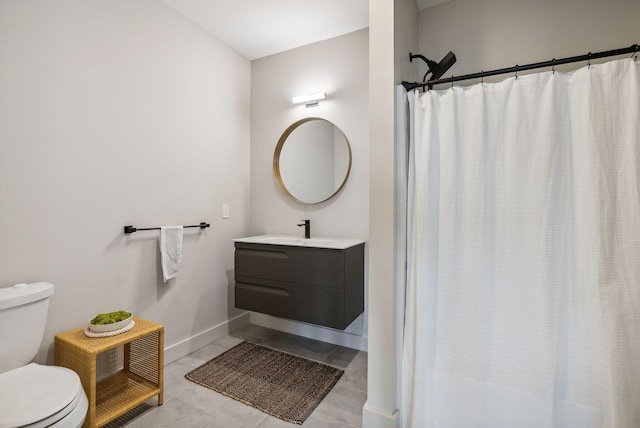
(523, 281)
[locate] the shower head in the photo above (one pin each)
(442, 67)
(436, 69)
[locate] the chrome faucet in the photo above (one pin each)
(307, 228)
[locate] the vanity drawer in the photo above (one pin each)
(321, 286)
(316, 305)
(308, 266)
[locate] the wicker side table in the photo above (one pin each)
(141, 379)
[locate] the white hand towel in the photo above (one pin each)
(170, 250)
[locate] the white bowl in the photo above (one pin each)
(103, 328)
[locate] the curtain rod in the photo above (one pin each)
(408, 86)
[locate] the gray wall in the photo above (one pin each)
(339, 67)
(115, 112)
(490, 34)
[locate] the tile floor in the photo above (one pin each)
(188, 405)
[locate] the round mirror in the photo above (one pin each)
(312, 160)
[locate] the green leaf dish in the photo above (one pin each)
(110, 321)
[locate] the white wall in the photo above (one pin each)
(490, 34)
(115, 113)
(338, 66)
(393, 34)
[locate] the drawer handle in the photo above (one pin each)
(263, 289)
(275, 254)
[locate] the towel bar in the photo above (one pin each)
(131, 229)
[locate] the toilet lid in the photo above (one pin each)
(34, 392)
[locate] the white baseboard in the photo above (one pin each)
(187, 346)
(374, 419)
(337, 337)
(347, 339)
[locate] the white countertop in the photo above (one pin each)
(296, 241)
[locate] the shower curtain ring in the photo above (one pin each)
(517, 71)
(589, 62)
(452, 82)
(482, 77)
(553, 67)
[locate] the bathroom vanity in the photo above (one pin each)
(319, 281)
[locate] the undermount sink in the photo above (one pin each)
(336, 243)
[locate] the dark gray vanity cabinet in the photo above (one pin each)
(321, 286)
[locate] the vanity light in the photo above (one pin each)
(310, 100)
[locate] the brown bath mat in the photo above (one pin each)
(286, 386)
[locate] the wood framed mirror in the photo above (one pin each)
(312, 160)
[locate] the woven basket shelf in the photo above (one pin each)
(140, 380)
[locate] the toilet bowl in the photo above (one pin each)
(38, 396)
(33, 395)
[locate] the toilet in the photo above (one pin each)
(33, 395)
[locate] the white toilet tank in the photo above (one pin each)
(23, 317)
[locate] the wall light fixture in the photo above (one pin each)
(310, 100)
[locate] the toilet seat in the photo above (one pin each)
(37, 396)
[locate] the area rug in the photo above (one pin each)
(283, 385)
